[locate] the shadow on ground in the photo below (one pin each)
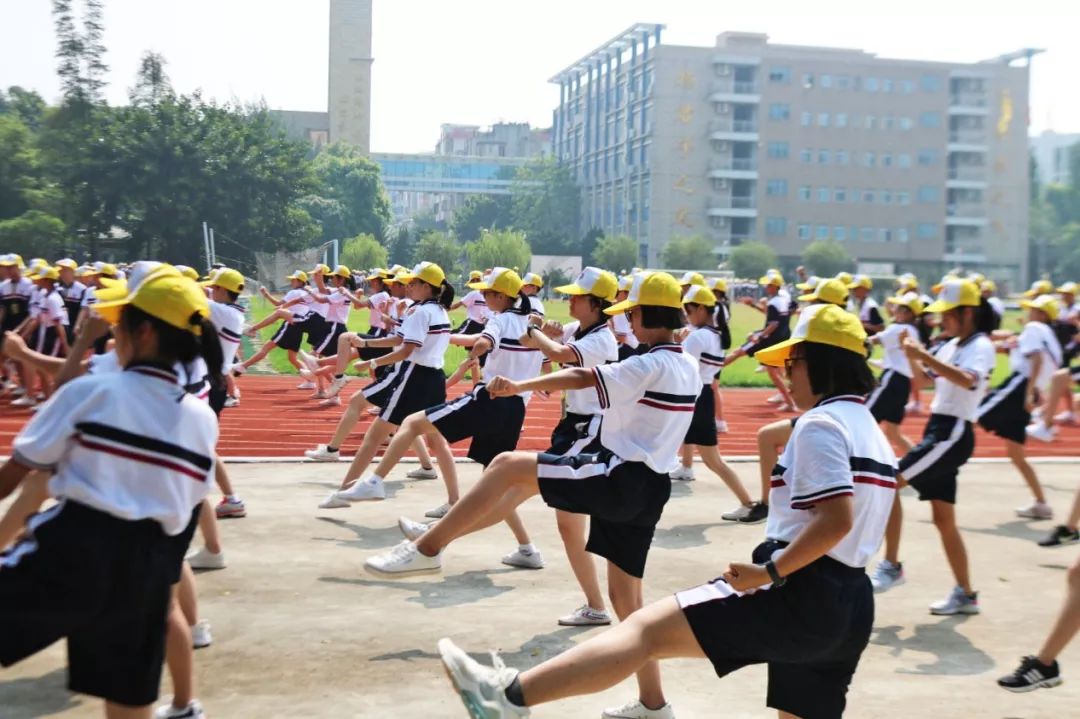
(953, 653)
(26, 698)
(534, 651)
(442, 592)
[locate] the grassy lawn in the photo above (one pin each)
(740, 374)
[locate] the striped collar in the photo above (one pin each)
(841, 398)
(969, 338)
(598, 327)
(666, 347)
(152, 369)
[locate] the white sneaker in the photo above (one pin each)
(683, 474)
(482, 689)
(232, 402)
(24, 401)
(18, 391)
(721, 426)
(365, 490)
(736, 515)
(958, 602)
(1040, 432)
(1035, 510)
(333, 502)
(886, 576)
(637, 710)
(237, 369)
(318, 394)
(331, 401)
(306, 374)
(519, 559)
(306, 385)
(404, 559)
(193, 710)
(439, 512)
(205, 559)
(423, 473)
(200, 635)
(337, 385)
(586, 616)
(411, 530)
(1065, 418)
(310, 361)
(775, 399)
(322, 454)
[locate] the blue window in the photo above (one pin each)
(823, 157)
(806, 156)
(870, 84)
(804, 193)
(841, 119)
(930, 83)
(823, 194)
(839, 233)
(928, 157)
(823, 232)
(840, 194)
(826, 81)
(903, 198)
(776, 226)
(776, 188)
(842, 157)
(823, 119)
(843, 82)
(779, 111)
(869, 159)
(928, 193)
(903, 160)
(804, 232)
(907, 87)
(777, 150)
(930, 119)
(806, 119)
(904, 123)
(867, 234)
(780, 73)
(927, 231)
(886, 159)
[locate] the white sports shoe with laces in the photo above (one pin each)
(637, 710)
(482, 689)
(403, 560)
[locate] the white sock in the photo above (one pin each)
(375, 479)
(526, 549)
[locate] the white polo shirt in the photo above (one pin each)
(592, 347)
(132, 444)
(508, 358)
(475, 306)
(648, 402)
(53, 311)
(427, 327)
(302, 309)
(869, 312)
(894, 358)
(704, 345)
(975, 355)
(338, 306)
(322, 309)
(997, 305)
(624, 332)
(378, 302)
(228, 319)
(72, 294)
(89, 297)
(16, 295)
(1036, 337)
(835, 450)
(779, 310)
(536, 305)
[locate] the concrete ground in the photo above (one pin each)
(301, 631)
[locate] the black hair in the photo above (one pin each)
(834, 370)
(177, 345)
(986, 320)
(712, 312)
(597, 303)
(522, 305)
(662, 318)
(233, 296)
(444, 293)
(925, 328)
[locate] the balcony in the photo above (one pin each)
(968, 103)
(740, 91)
(967, 178)
(967, 141)
(734, 130)
(733, 206)
(736, 168)
(965, 215)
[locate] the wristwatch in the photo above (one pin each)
(777, 580)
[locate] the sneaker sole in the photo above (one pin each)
(1044, 684)
(522, 566)
(897, 583)
(365, 499)
(965, 612)
(1060, 543)
(334, 506)
(203, 568)
(468, 697)
(752, 521)
(409, 573)
(576, 623)
(322, 459)
(425, 477)
(232, 514)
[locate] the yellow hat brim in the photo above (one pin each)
(774, 356)
(620, 307)
(572, 290)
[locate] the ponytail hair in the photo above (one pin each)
(986, 320)
(177, 345)
(444, 294)
(350, 283)
(522, 305)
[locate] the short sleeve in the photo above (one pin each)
(414, 328)
(493, 330)
(821, 468)
(624, 382)
(982, 360)
(593, 349)
(45, 439)
(772, 312)
(694, 345)
(1029, 341)
(537, 306)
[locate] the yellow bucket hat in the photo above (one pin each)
(911, 300)
(298, 275)
(1039, 287)
(1046, 303)
(772, 277)
(650, 289)
(501, 279)
(592, 281)
(956, 293)
(693, 278)
(718, 284)
(427, 271)
(531, 278)
(190, 272)
(844, 277)
(824, 324)
(698, 295)
(832, 291)
(1069, 288)
(861, 281)
(228, 279)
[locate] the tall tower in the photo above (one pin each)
(350, 73)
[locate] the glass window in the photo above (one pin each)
(903, 198)
(870, 84)
(886, 122)
(884, 234)
(927, 231)
(928, 157)
(806, 156)
(776, 188)
(901, 235)
(886, 197)
(870, 122)
(804, 193)
(903, 160)
(826, 81)
(806, 119)
(823, 119)
(904, 123)
(842, 157)
(930, 119)
(808, 80)
(777, 150)
(840, 194)
(823, 232)
(843, 82)
(907, 87)
(928, 193)
(868, 196)
(886, 159)
(823, 157)
(804, 232)
(839, 233)
(780, 73)
(823, 194)
(867, 234)
(841, 119)
(776, 226)
(779, 111)
(886, 85)
(869, 159)
(930, 83)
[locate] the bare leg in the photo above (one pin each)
(209, 527)
(415, 425)
(769, 439)
(686, 454)
(945, 521)
(1019, 460)
(1068, 621)
(32, 494)
(1074, 515)
(777, 377)
(231, 387)
(221, 476)
(712, 459)
(119, 711)
(573, 528)
(276, 315)
(896, 437)
(658, 631)
(513, 520)
(187, 596)
(353, 412)
(344, 352)
(1060, 389)
(377, 433)
(447, 466)
(180, 656)
(258, 356)
(420, 447)
(293, 360)
(718, 397)
(893, 530)
(626, 597)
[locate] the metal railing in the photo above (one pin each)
(735, 202)
(975, 174)
(735, 163)
(733, 125)
(968, 137)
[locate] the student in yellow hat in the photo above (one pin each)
(1060, 391)
(822, 566)
(476, 312)
(719, 287)
(862, 304)
(15, 292)
(292, 310)
(332, 306)
(962, 368)
(131, 475)
(777, 308)
(624, 335)
(1034, 356)
(889, 400)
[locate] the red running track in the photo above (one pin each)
(276, 420)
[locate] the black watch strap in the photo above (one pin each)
(774, 575)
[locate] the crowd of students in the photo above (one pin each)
(640, 369)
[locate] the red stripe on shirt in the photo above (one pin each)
(128, 454)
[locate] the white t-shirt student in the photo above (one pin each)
(975, 355)
(894, 357)
(595, 346)
(1036, 337)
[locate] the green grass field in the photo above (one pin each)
(739, 374)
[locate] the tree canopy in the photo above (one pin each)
(751, 259)
(825, 258)
(546, 207)
(362, 252)
(690, 253)
(502, 248)
(618, 253)
(440, 248)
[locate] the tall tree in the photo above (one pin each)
(440, 248)
(502, 248)
(481, 212)
(825, 258)
(618, 253)
(363, 252)
(27, 105)
(589, 242)
(690, 253)
(401, 245)
(81, 53)
(151, 81)
(354, 182)
(547, 207)
(751, 259)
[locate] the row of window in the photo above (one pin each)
(781, 112)
(926, 194)
(781, 74)
(781, 150)
(778, 226)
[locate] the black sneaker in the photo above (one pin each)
(1030, 675)
(759, 512)
(1059, 536)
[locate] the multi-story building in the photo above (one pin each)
(503, 139)
(1051, 151)
(911, 164)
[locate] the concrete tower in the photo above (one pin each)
(350, 73)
